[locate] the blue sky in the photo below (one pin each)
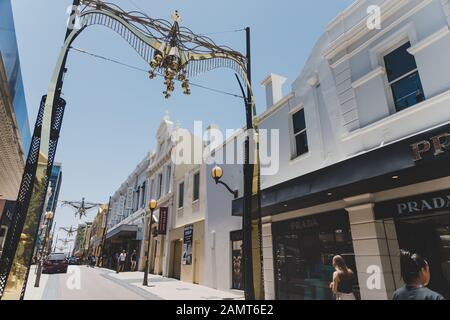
(113, 112)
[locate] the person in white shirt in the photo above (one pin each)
(122, 260)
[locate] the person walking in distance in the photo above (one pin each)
(133, 260)
(122, 260)
(343, 280)
(415, 272)
(116, 261)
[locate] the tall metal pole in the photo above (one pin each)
(34, 183)
(147, 259)
(248, 181)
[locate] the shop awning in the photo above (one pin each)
(125, 230)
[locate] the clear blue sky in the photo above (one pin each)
(113, 112)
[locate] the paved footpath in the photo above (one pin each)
(85, 283)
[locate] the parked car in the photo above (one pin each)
(73, 261)
(55, 263)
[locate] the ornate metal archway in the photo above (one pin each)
(170, 50)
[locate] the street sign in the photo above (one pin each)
(162, 223)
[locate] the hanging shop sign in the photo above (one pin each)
(435, 202)
(162, 223)
(187, 245)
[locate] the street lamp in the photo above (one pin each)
(152, 206)
(48, 218)
(217, 174)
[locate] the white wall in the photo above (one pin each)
(218, 225)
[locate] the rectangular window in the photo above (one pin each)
(160, 182)
(403, 78)
(300, 135)
(152, 188)
(181, 195)
(236, 260)
(196, 191)
(168, 178)
(143, 192)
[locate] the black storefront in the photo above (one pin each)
(303, 253)
(237, 278)
(298, 254)
(423, 226)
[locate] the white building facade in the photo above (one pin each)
(160, 173)
(127, 215)
(364, 171)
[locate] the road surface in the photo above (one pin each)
(83, 283)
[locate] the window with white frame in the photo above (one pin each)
(152, 188)
(405, 87)
(300, 138)
(196, 189)
(160, 186)
(181, 195)
(143, 192)
(168, 178)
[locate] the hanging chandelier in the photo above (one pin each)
(172, 51)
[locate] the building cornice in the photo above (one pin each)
(438, 35)
(364, 79)
(359, 30)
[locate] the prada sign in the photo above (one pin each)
(434, 147)
(435, 202)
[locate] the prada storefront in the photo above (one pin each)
(422, 225)
(303, 253)
(366, 209)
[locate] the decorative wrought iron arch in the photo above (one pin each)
(170, 50)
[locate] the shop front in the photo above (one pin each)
(124, 237)
(303, 253)
(422, 225)
(390, 198)
(187, 253)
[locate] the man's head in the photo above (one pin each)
(414, 268)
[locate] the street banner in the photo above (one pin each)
(162, 223)
(187, 245)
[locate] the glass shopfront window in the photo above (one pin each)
(429, 236)
(303, 251)
(236, 260)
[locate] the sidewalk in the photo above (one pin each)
(170, 289)
(31, 292)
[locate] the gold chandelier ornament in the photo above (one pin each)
(171, 50)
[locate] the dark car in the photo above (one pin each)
(73, 261)
(55, 263)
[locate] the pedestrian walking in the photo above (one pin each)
(93, 261)
(343, 280)
(133, 260)
(122, 260)
(415, 271)
(116, 261)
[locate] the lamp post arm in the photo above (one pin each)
(235, 193)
